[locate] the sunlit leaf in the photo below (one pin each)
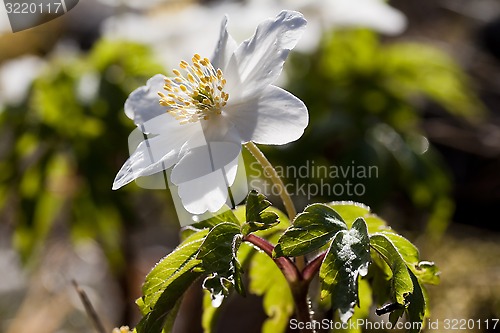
(256, 217)
(218, 255)
(401, 282)
(426, 271)
(311, 229)
(347, 258)
(167, 282)
(350, 211)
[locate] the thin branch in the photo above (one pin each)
(273, 174)
(99, 327)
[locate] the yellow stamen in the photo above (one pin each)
(196, 92)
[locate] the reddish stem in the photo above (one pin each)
(288, 268)
(313, 267)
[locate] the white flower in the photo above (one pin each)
(202, 116)
(333, 14)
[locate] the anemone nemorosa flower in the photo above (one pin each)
(197, 120)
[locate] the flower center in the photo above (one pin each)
(196, 92)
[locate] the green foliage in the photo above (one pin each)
(218, 257)
(366, 101)
(167, 282)
(61, 150)
(362, 255)
(312, 229)
(347, 258)
(256, 217)
(402, 285)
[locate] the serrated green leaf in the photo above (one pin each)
(216, 251)
(426, 271)
(401, 282)
(350, 211)
(347, 258)
(256, 217)
(181, 260)
(218, 257)
(267, 280)
(256, 203)
(167, 282)
(311, 229)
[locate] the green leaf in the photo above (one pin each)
(416, 308)
(350, 211)
(256, 217)
(311, 229)
(172, 315)
(402, 285)
(347, 258)
(218, 256)
(267, 280)
(362, 311)
(426, 271)
(167, 282)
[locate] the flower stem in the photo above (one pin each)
(271, 172)
(275, 178)
(303, 309)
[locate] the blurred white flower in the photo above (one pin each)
(177, 32)
(332, 14)
(16, 77)
(202, 116)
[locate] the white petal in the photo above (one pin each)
(259, 60)
(208, 193)
(165, 123)
(276, 117)
(143, 103)
(153, 155)
(225, 47)
(219, 129)
(206, 159)
(204, 174)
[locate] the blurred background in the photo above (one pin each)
(411, 87)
